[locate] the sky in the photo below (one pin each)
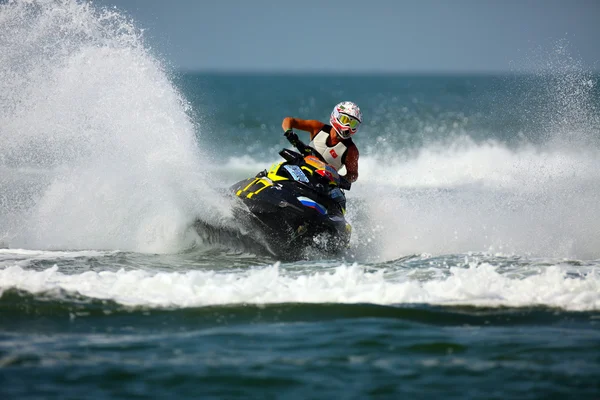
(368, 35)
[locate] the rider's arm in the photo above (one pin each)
(352, 164)
(309, 125)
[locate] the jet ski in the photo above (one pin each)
(297, 204)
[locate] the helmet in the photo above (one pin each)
(345, 119)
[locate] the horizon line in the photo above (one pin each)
(326, 72)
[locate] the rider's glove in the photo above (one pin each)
(291, 136)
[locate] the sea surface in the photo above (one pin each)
(474, 265)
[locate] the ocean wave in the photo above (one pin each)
(480, 285)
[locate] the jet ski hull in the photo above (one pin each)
(292, 217)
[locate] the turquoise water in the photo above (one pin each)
(473, 268)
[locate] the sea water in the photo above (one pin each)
(473, 268)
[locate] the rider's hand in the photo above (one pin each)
(291, 136)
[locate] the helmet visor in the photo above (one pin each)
(348, 121)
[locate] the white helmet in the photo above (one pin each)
(345, 119)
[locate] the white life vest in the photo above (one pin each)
(332, 155)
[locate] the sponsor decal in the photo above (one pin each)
(326, 174)
(296, 173)
(312, 204)
(333, 153)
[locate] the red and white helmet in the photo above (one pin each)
(345, 119)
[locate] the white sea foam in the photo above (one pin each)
(481, 198)
(44, 255)
(477, 285)
(97, 150)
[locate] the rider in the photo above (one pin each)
(333, 141)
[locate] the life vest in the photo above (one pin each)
(336, 155)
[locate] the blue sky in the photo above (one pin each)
(367, 35)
